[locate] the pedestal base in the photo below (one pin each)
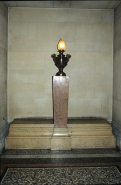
(79, 134)
(61, 139)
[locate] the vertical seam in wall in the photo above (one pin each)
(94, 73)
(20, 15)
(101, 16)
(113, 63)
(37, 27)
(7, 64)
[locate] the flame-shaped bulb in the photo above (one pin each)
(61, 45)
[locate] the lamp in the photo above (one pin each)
(61, 61)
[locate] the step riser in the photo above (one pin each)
(45, 143)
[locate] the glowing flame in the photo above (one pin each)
(61, 45)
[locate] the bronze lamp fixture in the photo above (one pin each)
(61, 61)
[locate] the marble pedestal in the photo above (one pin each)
(60, 100)
(60, 139)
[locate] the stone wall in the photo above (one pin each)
(3, 73)
(33, 37)
(117, 76)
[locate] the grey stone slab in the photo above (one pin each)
(65, 4)
(11, 3)
(107, 16)
(117, 12)
(3, 134)
(98, 4)
(118, 143)
(80, 4)
(3, 73)
(113, 4)
(4, 10)
(29, 3)
(117, 111)
(116, 128)
(60, 156)
(33, 152)
(2, 145)
(4, 131)
(44, 4)
(117, 34)
(60, 15)
(3, 115)
(117, 75)
(61, 4)
(3, 32)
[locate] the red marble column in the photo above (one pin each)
(60, 100)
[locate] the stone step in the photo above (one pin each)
(38, 134)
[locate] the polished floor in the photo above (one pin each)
(62, 176)
(56, 158)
